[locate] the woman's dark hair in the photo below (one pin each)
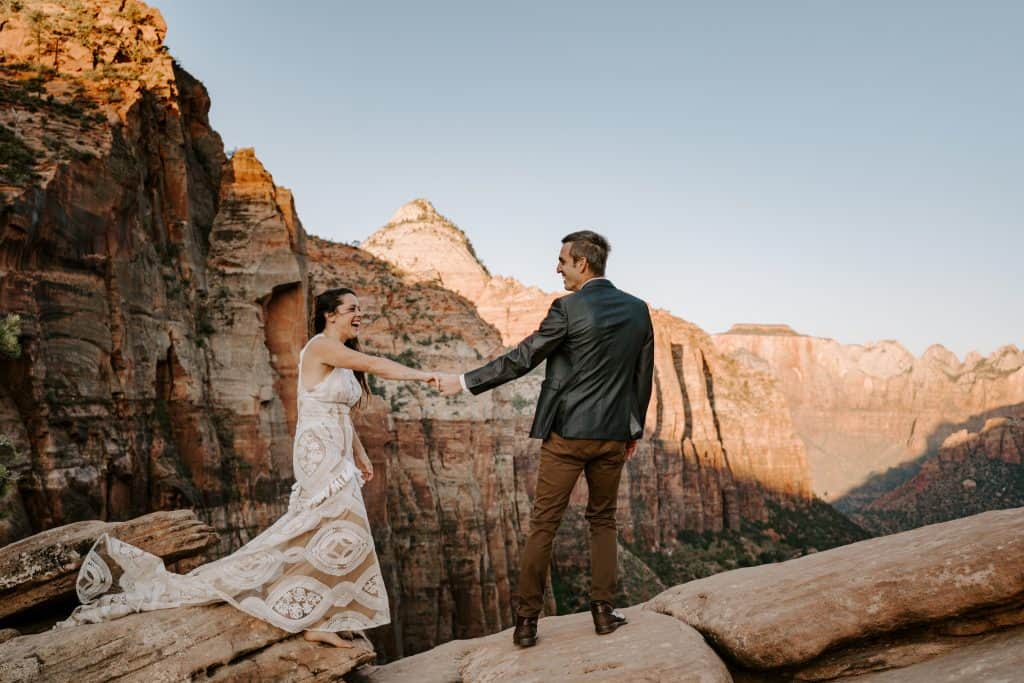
(326, 302)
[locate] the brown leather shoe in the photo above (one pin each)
(525, 634)
(606, 617)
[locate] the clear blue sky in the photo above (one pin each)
(853, 169)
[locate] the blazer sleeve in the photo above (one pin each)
(644, 378)
(527, 355)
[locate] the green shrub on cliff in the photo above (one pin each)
(17, 160)
(10, 328)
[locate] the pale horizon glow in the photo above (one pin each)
(851, 170)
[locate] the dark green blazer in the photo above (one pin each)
(599, 344)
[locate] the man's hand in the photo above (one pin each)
(449, 384)
(631, 448)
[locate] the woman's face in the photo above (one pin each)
(348, 316)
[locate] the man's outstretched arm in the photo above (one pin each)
(524, 357)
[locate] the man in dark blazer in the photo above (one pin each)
(599, 345)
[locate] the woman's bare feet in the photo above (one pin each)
(329, 637)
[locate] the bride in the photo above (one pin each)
(315, 569)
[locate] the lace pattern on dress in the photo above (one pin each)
(315, 568)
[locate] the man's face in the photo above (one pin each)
(574, 272)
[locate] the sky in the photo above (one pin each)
(851, 169)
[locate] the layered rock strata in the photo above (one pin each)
(159, 285)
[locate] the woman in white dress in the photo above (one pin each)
(315, 569)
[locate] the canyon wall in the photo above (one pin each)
(862, 409)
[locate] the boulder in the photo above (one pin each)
(956, 578)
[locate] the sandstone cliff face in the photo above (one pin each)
(147, 379)
(863, 409)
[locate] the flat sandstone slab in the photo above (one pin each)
(786, 614)
(651, 647)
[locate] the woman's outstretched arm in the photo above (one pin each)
(336, 354)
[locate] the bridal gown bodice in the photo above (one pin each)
(315, 568)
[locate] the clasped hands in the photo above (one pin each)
(447, 383)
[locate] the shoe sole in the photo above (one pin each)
(526, 642)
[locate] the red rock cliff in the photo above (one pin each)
(861, 409)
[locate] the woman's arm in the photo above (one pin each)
(362, 459)
(336, 354)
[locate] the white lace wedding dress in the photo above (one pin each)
(314, 569)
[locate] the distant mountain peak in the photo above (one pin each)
(429, 247)
(419, 210)
(763, 328)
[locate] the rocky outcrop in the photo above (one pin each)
(862, 409)
(43, 568)
(881, 603)
(972, 472)
(943, 602)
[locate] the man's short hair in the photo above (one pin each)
(588, 245)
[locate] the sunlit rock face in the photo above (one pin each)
(861, 409)
(161, 285)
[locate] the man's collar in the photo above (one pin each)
(594, 279)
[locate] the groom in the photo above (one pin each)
(599, 344)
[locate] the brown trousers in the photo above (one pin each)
(561, 461)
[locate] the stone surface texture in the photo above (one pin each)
(650, 648)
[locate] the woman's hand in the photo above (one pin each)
(365, 466)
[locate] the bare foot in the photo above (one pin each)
(329, 637)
